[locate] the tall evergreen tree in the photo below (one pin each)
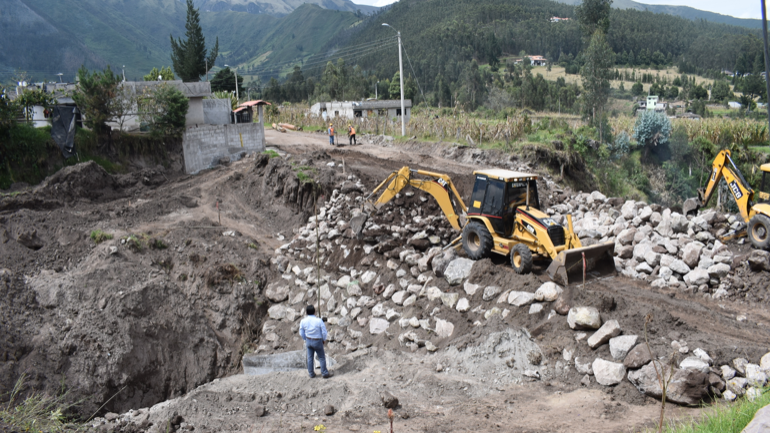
(594, 15)
(189, 56)
(596, 73)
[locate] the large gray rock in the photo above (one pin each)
(610, 329)
(620, 346)
(760, 423)
(490, 292)
(583, 366)
(458, 270)
(441, 261)
(584, 318)
(696, 277)
(626, 237)
(638, 356)
(691, 254)
(608, 373)
(690, 205)
(444, 328)
(377, 325)
(694, 363)
(759, 260)
(687, 387)
(520, 299)
(548, 292)
(679, 267)
(755, 375)
(679, 223)
(719, 270)
(277, 291)
(764, 362)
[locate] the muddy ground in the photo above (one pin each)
(166, 308)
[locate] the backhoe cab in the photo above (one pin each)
(753, 206)
(504, 217)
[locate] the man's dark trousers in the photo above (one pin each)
(317, 347)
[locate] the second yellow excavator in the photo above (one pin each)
(504, 218)
(755, 214)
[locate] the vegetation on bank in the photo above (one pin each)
(723, 418)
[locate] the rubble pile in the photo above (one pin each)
(659, 245)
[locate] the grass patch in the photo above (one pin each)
(99, 236)
(763, 149)
(134, 242)
(723, 418)
(158, 244)
(38, 412)
(271, 153)
(304, 177)
(253, 246)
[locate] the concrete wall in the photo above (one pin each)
(205, 145)
(217, 111)
(195, 112)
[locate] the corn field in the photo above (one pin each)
(717, 130)
(462, 127)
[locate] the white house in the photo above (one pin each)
(734, 104)
(195, 92)
(350, 110)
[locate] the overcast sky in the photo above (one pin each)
(736, 8)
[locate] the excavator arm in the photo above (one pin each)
(724, 167)
(438, 186)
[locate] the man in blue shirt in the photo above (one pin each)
(313, 331)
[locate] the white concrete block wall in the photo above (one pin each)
(205, 145)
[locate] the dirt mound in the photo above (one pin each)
(87, 180)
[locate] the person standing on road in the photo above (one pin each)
(331, 134)
(313, 331)
(352, 135)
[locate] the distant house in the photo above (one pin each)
(39, 116)
(728, 72)
(537, 60)
(558, 19)
(195, 92)
(351, 110)
(734, 104)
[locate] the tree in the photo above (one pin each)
(637, 89)
(699, 92)
(224, 81)
(189, 56)
(596, 75)
(395, 87)
(124, 104)
(594, 15)
(94, 96)
(721, 91)
(652, 129)
(165, 74)
(164, 108)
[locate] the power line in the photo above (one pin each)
(349, 52)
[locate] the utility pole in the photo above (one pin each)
(124, 73)
(401, 77)
(767, 57)
(207, 68)
(375, 90)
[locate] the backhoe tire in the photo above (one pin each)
(759, 232)
(521, 259)
(477, 242)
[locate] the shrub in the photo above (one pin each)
(621, 146)
(652, 129)
(164, 109)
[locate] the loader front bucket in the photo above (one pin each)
(567, 267)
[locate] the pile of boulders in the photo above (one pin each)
(658, 245)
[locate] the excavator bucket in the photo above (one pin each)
(567, 267)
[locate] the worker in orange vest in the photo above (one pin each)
(331, 134)
(352, 135)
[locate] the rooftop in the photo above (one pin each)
(505, 175)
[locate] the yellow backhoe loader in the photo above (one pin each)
(504, 218)
(756, 215)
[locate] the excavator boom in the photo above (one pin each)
(724, 168)
(439, 186)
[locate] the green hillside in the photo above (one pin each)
(442, 37)
(681, 11)
(251, 40)
(136, 34)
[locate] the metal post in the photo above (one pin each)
(401, 76)
(207, 69)
(237, 96)
(767, 57)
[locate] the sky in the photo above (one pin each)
(736, 8)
